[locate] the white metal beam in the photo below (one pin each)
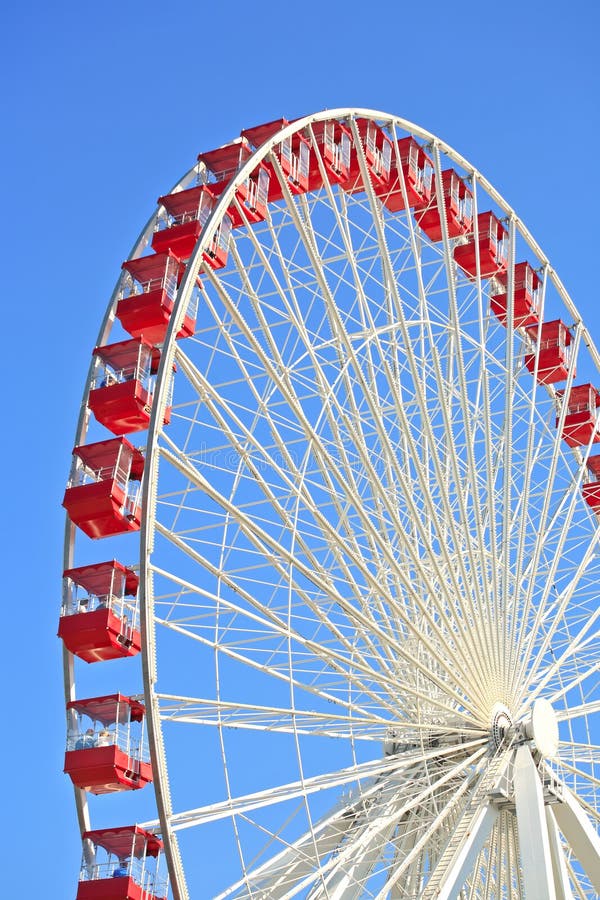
(560, 872)
(464, 860)
(581, 836)
(534, 843)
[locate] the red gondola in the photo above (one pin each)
(491, 244)
(188, 212)
(102, 497)
(106, 751)
(145, 308)
(591, 489)
(377, 148)
(293, 155)
(579, 426)
(551, 347)
(417, 171)
(122, 864)
(334, 141)
(252, 195)
(458, 202)
(123, 387)
(526, 290)
(99, 620)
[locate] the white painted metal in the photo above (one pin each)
(364, 535)
(559, 865)
(581, 836)
(462, 865)
(534, 843)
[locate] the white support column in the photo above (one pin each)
(581, 836)
(562, 885)
(534, 843)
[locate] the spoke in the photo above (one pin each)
(275, 625)
(336, 661)
(512, 642)
(267, 544)
(544, 529)
(559, 613)
(245, 804)
(296, 485)
(346, 478)
(576, 712)
(205, 711)
(298, 861)
(573, 647)
(381, 824)
(422, 401)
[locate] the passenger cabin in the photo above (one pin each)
(147, 301)
(106, 746)
(293, 155)
(103, 494)
(252, 195)
(591, 489)
(123, 386)
(551, 348)
(579, 427)
(187, 213)
(526, 291)
(377, 148)
(491, 244)
(458, 204)
(99, 618)
(122, 864)
(334, 142)
(417, 172)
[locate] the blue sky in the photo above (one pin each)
(104, 106)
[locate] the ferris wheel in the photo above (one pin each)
(334, 503)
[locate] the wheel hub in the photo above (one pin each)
(540, 726)
(500, 725)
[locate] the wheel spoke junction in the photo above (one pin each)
(369, 557)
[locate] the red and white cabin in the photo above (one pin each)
(106, 748)
(591, 489)
(491, 243)
(579, 426)
(123, 386)
(145, 307)
(551, 347)
(417, 171)
(103, 494)
(526, 291)
(122, 864)
(252, 195)
(100, 618)
(293, 155)
(334, 141)
(188, 212)
(458, 202)
(378, 155)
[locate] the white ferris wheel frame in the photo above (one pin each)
(545, 872)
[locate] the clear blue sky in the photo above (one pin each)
(103, 107)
